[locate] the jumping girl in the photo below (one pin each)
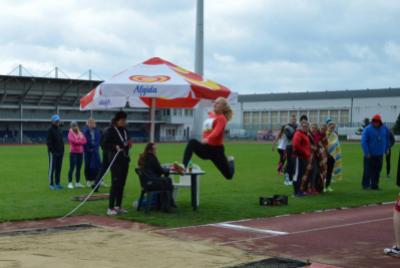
(212, 145)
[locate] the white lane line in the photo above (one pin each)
(248, 229)
(310, 230)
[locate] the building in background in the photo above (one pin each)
(257, 113)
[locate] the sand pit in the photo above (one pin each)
(110, 247)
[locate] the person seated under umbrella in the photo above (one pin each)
(157, 176)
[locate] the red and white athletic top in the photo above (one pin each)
(213, 129)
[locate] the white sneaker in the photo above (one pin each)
(70, 185)
(88, 184)
(394, 251)
(79, 185)
(111, 212)
(135, 204)
(104, 184)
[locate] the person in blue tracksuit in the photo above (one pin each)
(375, 144)
(55, 150)
(91, 152)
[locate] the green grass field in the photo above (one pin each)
(25, 195)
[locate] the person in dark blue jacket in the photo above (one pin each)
(91, 152)
(375, 143)
(55, 148)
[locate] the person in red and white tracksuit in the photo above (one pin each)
(212, 145)
(302, 152)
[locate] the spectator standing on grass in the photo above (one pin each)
(116, 141)
(280, 143)
(55, 149)
(302, 153)
(374, 143)
(389, 153)
(91, 152)
(290, 129)
(76, 141)
(334, 161)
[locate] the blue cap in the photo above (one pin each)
(328, 120)
(55, 118)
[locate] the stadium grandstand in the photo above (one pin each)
(27, 103)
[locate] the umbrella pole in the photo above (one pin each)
(152, 119)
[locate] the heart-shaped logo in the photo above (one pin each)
(149, 78)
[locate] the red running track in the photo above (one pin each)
(345, 238)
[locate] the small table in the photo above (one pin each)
(194, 180)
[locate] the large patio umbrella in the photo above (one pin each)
(155, 83)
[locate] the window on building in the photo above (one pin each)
(274, 119)
(334, 115)
(313, 116)
(323, 115)
(284, 117)
(344, 117)
(246, 119)
(265, 119)
(256, 119)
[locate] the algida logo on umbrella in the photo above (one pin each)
(149, 78)
(145, 90)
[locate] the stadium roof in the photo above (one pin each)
(43, 91)
(320, 95)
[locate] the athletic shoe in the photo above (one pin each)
(104, 184)
(70, 185)
(301, 194)
(58, 187)
(79, 185)
(135, 204)
(394, 251)
(51, 187)
(288, 182)
(120, 210)
(111, 212)
(89, 184)
(329, 189)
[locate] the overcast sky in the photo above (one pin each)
(251, 46)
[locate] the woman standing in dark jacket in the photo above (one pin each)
(115, 141)
(158, 179)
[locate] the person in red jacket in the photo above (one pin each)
(302, 152)
(212, 145)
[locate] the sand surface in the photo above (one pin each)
(107, 247)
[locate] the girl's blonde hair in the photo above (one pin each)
(227, 110)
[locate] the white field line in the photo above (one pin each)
(311, 230)
(248, 229)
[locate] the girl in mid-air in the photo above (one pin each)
(212, 145)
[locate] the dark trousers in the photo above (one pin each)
(282, 159)
(365, 181)
(55, 165)
(373, 170)
(75, 162)
(300, 170)
(290, 162)
(388, 160)
(162, 184)
(214, 153)
(329, 170)
(90, 172)
(119, 172)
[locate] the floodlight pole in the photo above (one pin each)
(199, 45)
(199, 63)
